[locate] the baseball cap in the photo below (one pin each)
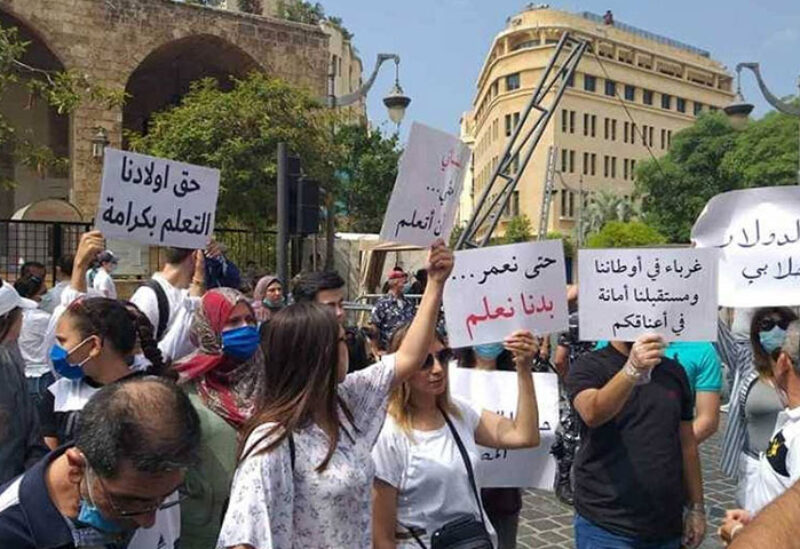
(9, 299)
(106, 256)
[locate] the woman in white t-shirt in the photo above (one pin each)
(421, 481)
(305, 472)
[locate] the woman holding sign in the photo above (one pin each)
(425, 493)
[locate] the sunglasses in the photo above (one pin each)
(769, 323)
(443, 357)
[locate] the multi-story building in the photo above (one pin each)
(624, 103)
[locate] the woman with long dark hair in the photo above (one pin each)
(305, 470)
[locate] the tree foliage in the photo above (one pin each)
(302, 11)
(620, 234)
(519, 229)
(606, 206)
(365, 176)
(61, 90)
(709, 158)
(238, 132)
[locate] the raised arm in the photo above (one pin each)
(415, 346)
(91, 244)
(522, 431)
(598, 406)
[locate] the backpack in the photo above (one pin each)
(163, 308)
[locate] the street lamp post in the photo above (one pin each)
(396, 103)
(739, 105)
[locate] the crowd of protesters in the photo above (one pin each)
(215, 410)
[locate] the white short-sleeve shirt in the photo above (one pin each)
(104, 284)
(779, 467)
(273, 505)
(429, 474)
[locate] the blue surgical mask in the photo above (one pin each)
(59, 356)
(274, 303)
(90, 515)
(240, 342)
(773, 339)
(407, 288)
(489, 351)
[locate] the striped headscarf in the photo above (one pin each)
(227, 386)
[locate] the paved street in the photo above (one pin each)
(547, 523)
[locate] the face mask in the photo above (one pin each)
(91, 516)
(773, 339)
(59, 356)
(240, 342)
(489, 351)
(274, 303)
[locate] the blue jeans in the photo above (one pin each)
(590, 536)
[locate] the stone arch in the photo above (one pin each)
(36, 120)
(164, 76)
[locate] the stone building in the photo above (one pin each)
(152, 49)
(622, 106)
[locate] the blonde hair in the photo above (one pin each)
(400, 406)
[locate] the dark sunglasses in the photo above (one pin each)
(769, 323)
(443, 357)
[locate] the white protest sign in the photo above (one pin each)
(426, 193)
(497, 392)
(156, 201)
(758, 234)
(496, 290)
(625, 293)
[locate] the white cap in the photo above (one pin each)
(9, 299)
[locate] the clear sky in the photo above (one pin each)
(442, 43)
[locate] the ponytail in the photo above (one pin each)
(147, 341)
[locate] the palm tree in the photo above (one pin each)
(605, 206)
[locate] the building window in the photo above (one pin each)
(606, 164)
(647, 97)
(698, 108)
(594, 163)
(669, 138)
(585, 124)
(512, 81)
(666, 101)
(516, 120)
(593, 120)
(571, 161)
(625, 129)
(625, 169)
(630, 92)
(633, 133)
(567, 204)
(681, 104)
(613, 167)
(606, 128)
(589, 82)
(613, 130)
(564, 120)
(564, 160)
(633, 170)
(611, 88)
(663, 137)
(651, 135)
(644, 134)
(585, 163)
(508, 125)
(515, 164)
(571, 121)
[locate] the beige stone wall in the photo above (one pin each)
(107, 40)
(533, 33)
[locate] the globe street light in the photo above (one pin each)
(736, 108)
(396, 101)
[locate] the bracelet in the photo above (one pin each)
(631, 371)
(697, 508)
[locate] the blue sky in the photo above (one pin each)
(442, 43)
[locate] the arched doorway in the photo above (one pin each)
(35, 122)
(164, 76)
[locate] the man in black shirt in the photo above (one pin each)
(637, 465)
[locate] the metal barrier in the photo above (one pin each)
(41, 241)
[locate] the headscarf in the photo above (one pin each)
(226, 386)
(263, 311)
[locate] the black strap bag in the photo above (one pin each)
(465, 532)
